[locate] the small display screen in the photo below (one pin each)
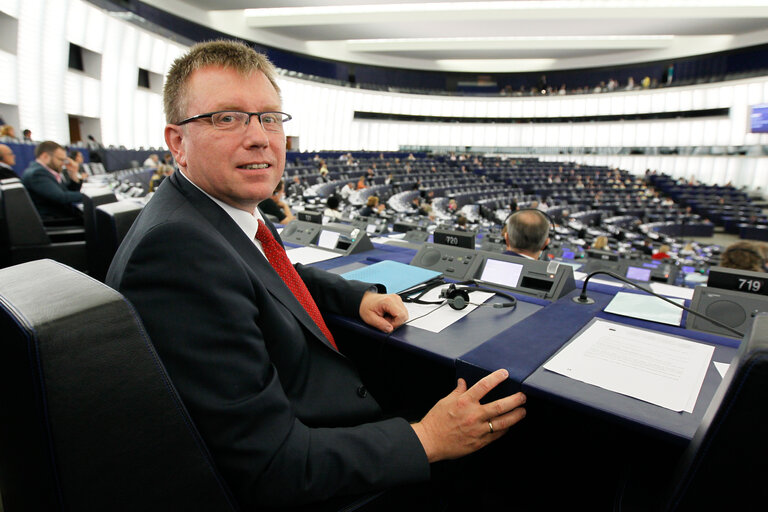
(688, 270)
(328, 239)
(568, 255)
(639, 274)
(650, 265)
(758, 119)
(504, 273)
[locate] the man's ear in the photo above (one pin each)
(506, 237)
(174, 138)
(546, 244)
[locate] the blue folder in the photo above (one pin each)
(392, 274)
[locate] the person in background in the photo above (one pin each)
(745, 255)
(152, 161)
(8, 133)
(372, 207)
(600, 243)
(275, 206)
(75, 175)
(332, 207)
(45, 184)
(27, 134)
(7, 161)
(527, 234)
(647, 247)
(662, 253)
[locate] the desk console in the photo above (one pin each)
(340, 238)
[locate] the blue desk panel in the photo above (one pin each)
(543, 334)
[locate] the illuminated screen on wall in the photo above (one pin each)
(758, 119)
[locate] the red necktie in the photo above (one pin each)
(280, 262)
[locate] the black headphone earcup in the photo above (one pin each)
(458, 298)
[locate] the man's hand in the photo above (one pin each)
(72, 170)
(384, 312)
(459, 424)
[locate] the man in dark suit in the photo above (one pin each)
(46, 186)
(7, 161)
(285, 415)
(527, 234)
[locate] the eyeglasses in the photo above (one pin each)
(231, 120)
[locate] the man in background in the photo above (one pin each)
(7, 161)
(275, 206)
(527, 234)
(45, 183)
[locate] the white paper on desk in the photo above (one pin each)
(645, 307)
(386, 239)
(722, 368)
(580, 276)
(308, 255)
(436, 317)
(653, 367)
(672, 291)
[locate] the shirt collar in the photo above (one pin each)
(55, 174)
(249, 223)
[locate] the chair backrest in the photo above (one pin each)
(113, 221)
(725, 466)
(21, 221)
(92, 199)
(89, 418)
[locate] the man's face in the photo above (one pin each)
(239, 167)
(7, 156)
(56, 159)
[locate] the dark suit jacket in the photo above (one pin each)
(52, 199)
(284, 414)
(513, 253)
(7, 172)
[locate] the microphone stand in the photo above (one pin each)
(583, 299)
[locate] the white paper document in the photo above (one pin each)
(436, 317)
(580, 276)
(672, 291)
(308, 255)
(722, 368)
(645, 307)
(653, 367)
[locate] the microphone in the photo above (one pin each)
(583, 299)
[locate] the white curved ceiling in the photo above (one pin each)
(487, 36)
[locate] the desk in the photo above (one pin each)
(521, 341)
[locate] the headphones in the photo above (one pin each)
(457, 297)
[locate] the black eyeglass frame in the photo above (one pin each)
(286, 117)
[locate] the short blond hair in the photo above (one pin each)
(227, 54)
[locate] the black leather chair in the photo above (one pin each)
(23, 237)
(92, 199)
(112, 222)
(90, 420)
(725, 466)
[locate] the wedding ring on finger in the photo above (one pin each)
(490, 427)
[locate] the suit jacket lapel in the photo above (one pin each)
(224, 224)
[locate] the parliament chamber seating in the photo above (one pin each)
(24, 237)
(112, 222)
